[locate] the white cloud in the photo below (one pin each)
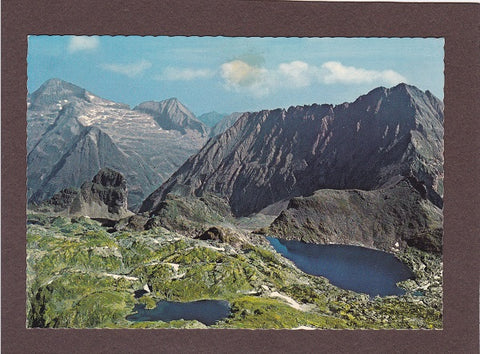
(130, 70)
(336, 72)
(241, 76)
(80, 43)
(185, 74)
(240, 73)
(297, 73)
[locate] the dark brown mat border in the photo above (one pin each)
(457, 23)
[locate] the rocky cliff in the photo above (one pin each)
(105, 197)
(271, 156)
(388, 219)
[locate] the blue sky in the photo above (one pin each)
(226, 74)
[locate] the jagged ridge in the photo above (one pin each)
(270, 156)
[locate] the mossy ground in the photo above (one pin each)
(79, 275)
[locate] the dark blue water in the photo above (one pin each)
(205, 311)
(360, 269)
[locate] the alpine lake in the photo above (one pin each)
(355, 268)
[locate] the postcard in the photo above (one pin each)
(255, 176)
(233, 182)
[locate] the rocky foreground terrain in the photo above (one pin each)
(82, 274)
(368, 173)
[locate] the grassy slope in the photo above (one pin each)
(79, 275)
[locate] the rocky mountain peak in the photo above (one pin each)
(211, 119)
(225, 123)
(72, 133)
(171, 114)
(274, 155)
(172, 101)
(55, 91)
(54, 94)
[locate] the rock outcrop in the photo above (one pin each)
(131, 223)
(223, 235)
(270, 156)
(190, 215)
(105, 197)
(389, 219)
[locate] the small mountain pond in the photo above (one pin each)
(206, 311)
(360, 269)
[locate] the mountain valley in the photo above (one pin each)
(132, 207)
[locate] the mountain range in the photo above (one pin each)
(72, 134)
(138, 206)
(383, 153)
(268, 157)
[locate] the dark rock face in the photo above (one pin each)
(213, 233)
(388, 219)
(63, 200)
(105, 197)
(270, 156)
(171, 114)
(72, 134)
(107, 187)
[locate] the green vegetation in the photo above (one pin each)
(190, 215)
(79, 275)
(259, 312)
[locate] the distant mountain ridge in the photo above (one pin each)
(225, 123)
(171, 114)
(210, 119)
(72, 134)
(275, 155)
